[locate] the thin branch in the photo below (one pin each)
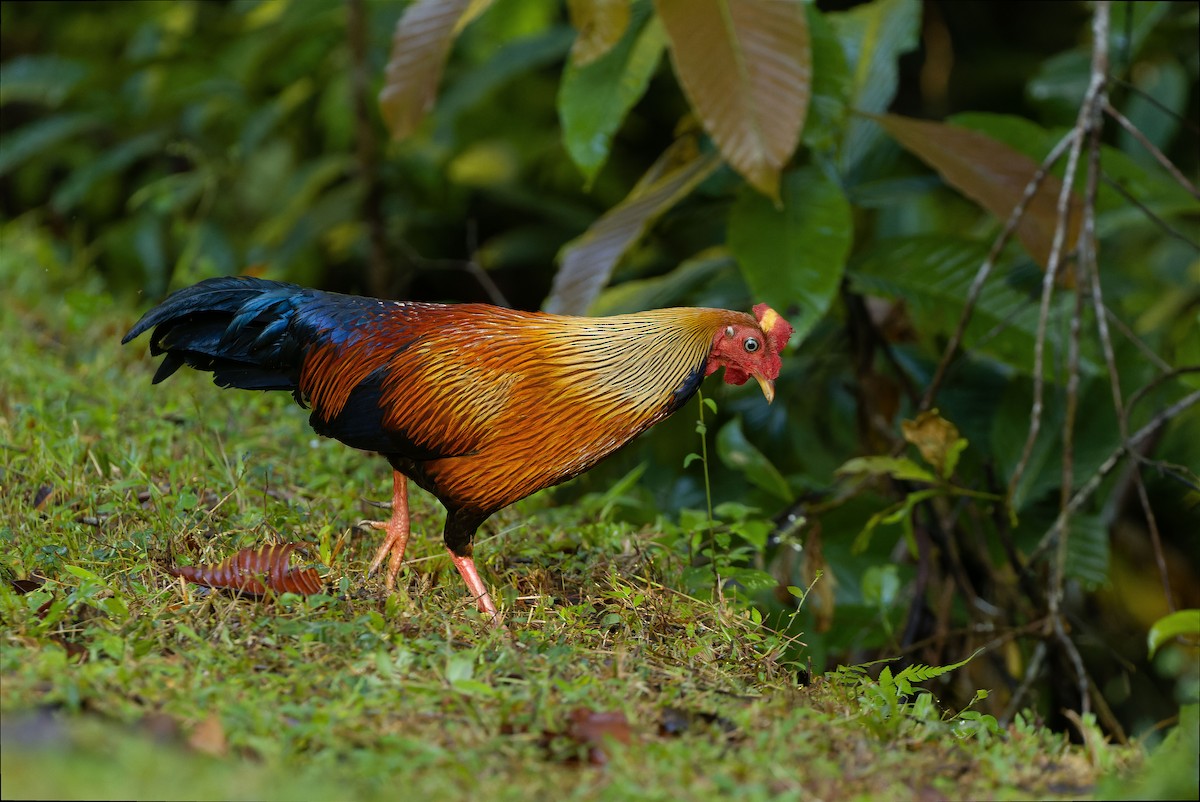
(985, 269)
(1151, 148)
(1106, 467)
(1128, 333)
(1186, 122)
(1157, 381)
(1151, 216)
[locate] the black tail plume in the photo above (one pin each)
(239, 328)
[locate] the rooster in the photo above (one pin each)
(479, 405)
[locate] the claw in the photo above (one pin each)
(397, 529)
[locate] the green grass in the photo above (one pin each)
(119, 680)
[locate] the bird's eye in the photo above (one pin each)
(751, 345)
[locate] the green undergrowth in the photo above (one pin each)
(120, 680)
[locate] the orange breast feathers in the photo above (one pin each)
(519, 401)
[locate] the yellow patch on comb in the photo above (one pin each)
(768, 320)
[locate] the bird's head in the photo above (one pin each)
(751, 349)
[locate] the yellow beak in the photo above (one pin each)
(768, 387)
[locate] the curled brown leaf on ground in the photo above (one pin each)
(255, 571)
(591, 728)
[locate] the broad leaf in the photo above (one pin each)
(420, 45)
(933, 275)
(594, 99)
(992, 174)
(588, 260)
(832, 84)
(874, 36)
(31, 140)
(1087, 551)
(738, 453)
(1183, 622)
(45, 79)
(794, 257)
(900, 468)
(601, 24)
(937, 439)
(745, 66)
(670, 289)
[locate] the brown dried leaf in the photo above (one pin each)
(209, 737)
(990, 173)
(746, 68)
(588, 260)
(590, 728)
(420, 46)
(601, 24)
(250, 568)
(936, 438)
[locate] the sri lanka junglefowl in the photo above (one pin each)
(479, 405)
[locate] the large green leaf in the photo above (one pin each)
(739, 454)
(588, 260)
(874, 35)
(48, 79)
(831, 86)
(1095, 437)
(23, 144)
(793, 257)
(932, 275)
(746, 68)
(594, 98)
(82, 179)
(670, 289)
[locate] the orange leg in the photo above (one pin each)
(397, 532)
(466, 566)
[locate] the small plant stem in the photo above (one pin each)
(702, 428)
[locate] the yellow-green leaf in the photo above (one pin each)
(990, 173)
(594, 99)
(1183, 622)
(420, 45)
(588, 260)
(937, 439)
(600, 23)
(745, 66)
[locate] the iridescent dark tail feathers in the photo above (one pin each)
(245, 331)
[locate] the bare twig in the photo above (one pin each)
(1186, 122)
(985, 269)
(1048, 280)
(1106, 467)
(1166, 227)
(1128, 333)
(1152, 149)
(1086, 125)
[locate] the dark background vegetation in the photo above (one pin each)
(157, 144)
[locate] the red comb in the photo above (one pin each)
(774, 326)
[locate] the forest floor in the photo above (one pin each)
(121, 680)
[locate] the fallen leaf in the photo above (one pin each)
(255, 571)
(590, 728)
(209, 737)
